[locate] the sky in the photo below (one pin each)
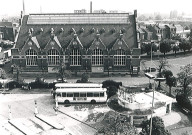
(14, 7)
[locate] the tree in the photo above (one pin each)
(62, 71)
(171, 81)
(18, 72)
(3, 73)
(84, 78)
(146, 48)
(111, 90)
(167, 74)
(112, 87)
(158, 17)
(185, 45)
(117, 125)
(175, 49)
(162, 64)
(165, 46)
(142, 18)
(185, 78)
(158, 127)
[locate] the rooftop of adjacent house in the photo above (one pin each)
(6, 24)
(179, 27)
(161, 26)
(140, 30)
(171, 26)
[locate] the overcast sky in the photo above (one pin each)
(14, 7)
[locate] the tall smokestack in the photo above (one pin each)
(23, 7)
(91, 7)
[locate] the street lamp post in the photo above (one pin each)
(155, 79)
(151, 57)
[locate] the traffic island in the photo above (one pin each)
(50, 121)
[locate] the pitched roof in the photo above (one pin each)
(64, 32)
(171, 26)
(140, 30)
(161, 26)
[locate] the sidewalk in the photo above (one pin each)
(171, 118)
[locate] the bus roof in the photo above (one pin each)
(82, 90)
(78, 85)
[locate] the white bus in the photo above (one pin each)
(79, 92)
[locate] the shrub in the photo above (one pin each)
(39, 83)
(13, 84)
(109, 83)
(184, 101)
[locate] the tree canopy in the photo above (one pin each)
(185, 45)
(185, 78)
(116, 124)
(162, 64)
(158, 127)
(165, 46)
(146, 48)
(62, 71)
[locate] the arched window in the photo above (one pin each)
(119, 58)
(31, 57)
(75, 57)
(97, 57)
(53, 57)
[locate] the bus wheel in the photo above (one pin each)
(93, 101)
(66, 102)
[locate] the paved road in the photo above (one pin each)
(23, 109)
(175, 63)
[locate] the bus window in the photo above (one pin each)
(76, 94)
(64, 94)
(59, 94)
(82, 94)
(101, 94)
(89, 94)
(96, 94)
(69, 94)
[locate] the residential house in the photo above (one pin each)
(7, 31)
(140, 36)
(170, 30)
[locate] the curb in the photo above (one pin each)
(50, 122)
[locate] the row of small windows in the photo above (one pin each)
(97, 58)
(81, 94)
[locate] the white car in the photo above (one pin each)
(2, 62)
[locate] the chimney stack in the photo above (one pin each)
(91, 7)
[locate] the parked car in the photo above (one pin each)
(26, 86)
(148, 69)
(59, 80)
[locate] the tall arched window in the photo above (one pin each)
(31, 57)
(75, 57)
(97, 57)
(53, 57)
(119, 58)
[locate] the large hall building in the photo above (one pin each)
(90, 42)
